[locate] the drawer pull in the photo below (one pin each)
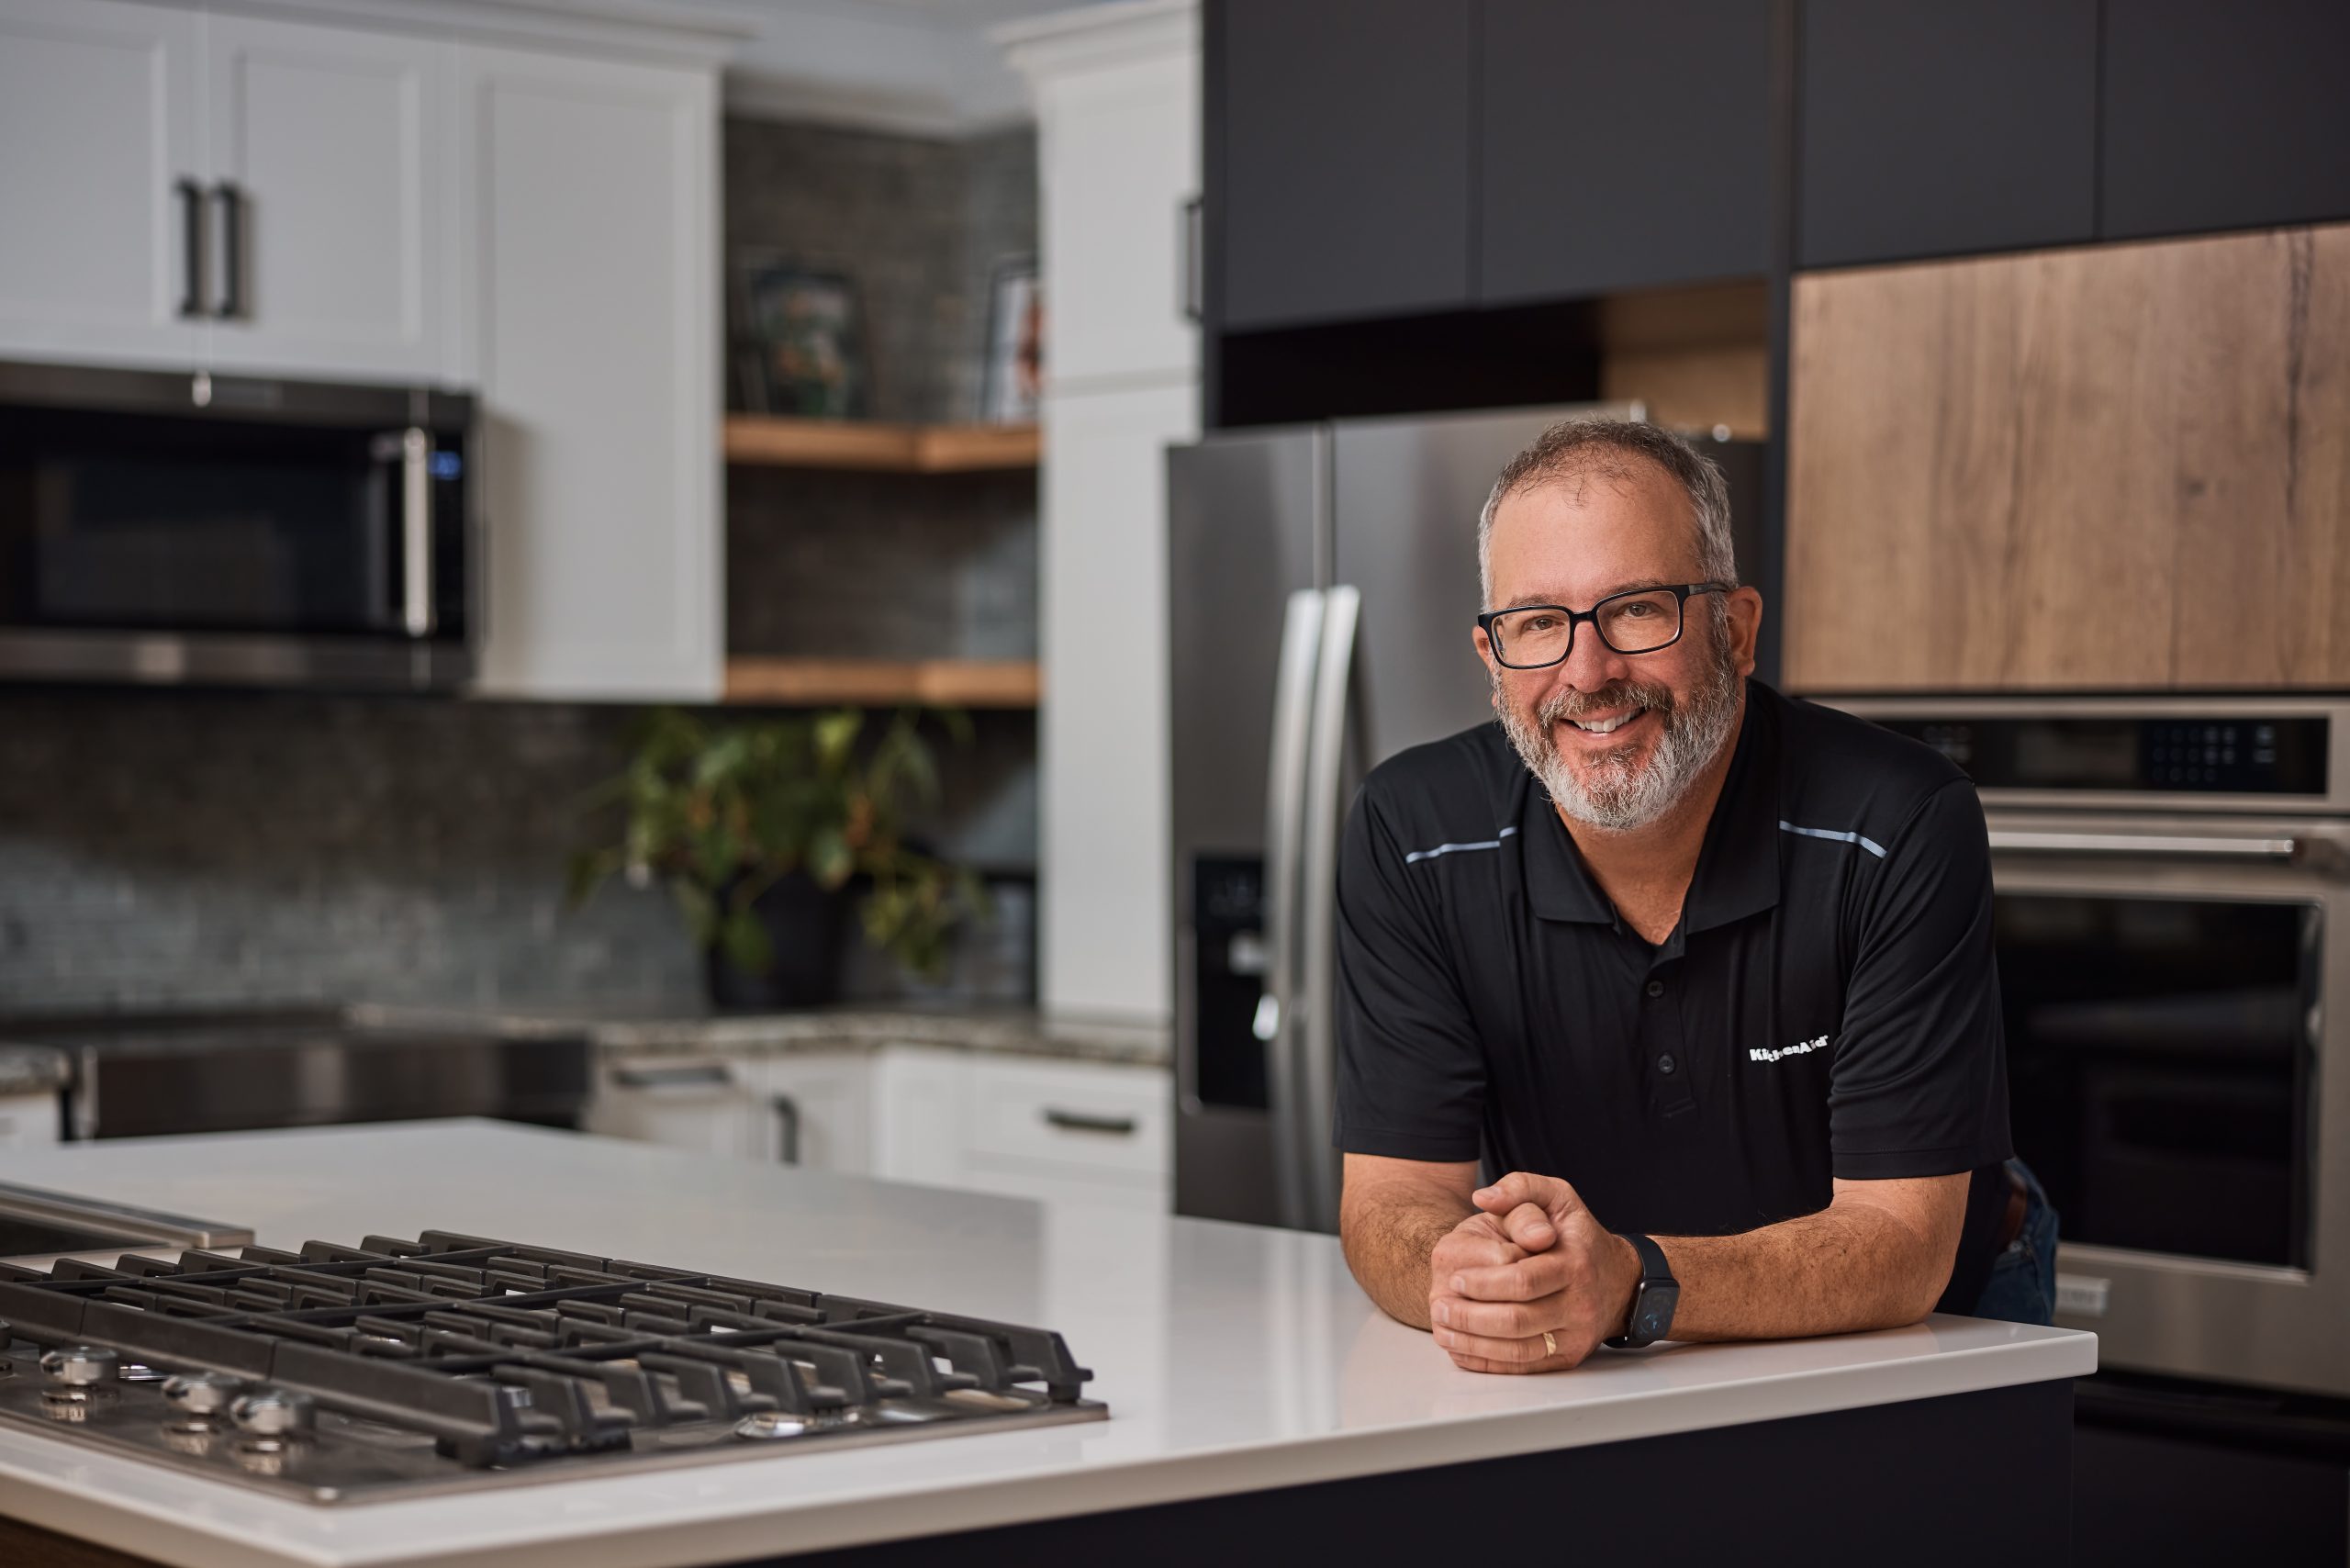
(1079, 1122)
(699, 1075)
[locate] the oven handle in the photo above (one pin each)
(2185, 846)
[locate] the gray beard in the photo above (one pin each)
(1617, 794)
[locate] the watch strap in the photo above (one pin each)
(1656, 1282)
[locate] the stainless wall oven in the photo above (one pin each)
(162, 527)
(2172, 880)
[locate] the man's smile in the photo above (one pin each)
(1594, 730)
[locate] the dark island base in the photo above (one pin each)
(1968, 1480)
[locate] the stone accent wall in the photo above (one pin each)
(178, 847)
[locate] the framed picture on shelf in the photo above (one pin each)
(748, 361)
(807, 333)
(1015, 378)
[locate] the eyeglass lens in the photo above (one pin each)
(1630, 624)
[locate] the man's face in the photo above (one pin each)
(1617, 739)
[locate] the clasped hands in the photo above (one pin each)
(1532, 1261)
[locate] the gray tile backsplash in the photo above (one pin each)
(177, 848)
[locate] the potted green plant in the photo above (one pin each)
(757, 828)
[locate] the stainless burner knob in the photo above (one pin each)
(273, 1413)
(201, 1394)
(81, 1366)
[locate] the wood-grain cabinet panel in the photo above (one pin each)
(2118, 468)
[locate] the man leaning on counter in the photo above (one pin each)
(1705, 971)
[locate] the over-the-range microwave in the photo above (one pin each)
(168, 527)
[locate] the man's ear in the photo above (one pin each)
(1745, 627)
(1492, 671)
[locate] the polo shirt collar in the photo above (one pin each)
(1738, 868)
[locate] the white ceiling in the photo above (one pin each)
(921, 67)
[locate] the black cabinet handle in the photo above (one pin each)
(787, 1116)
(693, 1075)
(232, 250)
(1079, 1122)
(192, 239)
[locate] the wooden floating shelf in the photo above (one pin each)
(941, 683)
(904, 449)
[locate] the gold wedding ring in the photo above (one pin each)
(1549, 1343)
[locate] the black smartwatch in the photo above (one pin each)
(1653, 1299)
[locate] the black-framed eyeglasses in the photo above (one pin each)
(1535, 637)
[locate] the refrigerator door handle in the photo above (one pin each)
(1277, 1011)
(1336, 723)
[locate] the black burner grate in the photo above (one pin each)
(505, 1355)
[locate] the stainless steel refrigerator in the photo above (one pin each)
(1323, 590)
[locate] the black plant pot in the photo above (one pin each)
(806, 925)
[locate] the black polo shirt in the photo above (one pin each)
(1828, 1006)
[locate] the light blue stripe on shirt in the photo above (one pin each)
(1493, 842)
(1871, 844)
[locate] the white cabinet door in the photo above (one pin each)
(1117, 96)
(98, 132)
(820, 1108)
(329, 157)
(27, 1120)
(699, 1103)
(591, 213)
(1082, 1134)
(1119, 158)
(1104, 899)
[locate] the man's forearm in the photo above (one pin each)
(1388, 1232)
(1831, 1273)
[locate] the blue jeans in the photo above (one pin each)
(2022, 1287)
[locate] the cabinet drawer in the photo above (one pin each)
(1113, 1120)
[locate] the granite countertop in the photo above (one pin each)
(1011, 1031)
(33, 1069)
(1232, 1358)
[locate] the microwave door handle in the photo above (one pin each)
(416, 532)
(2181, 847)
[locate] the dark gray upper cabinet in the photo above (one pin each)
(1933, 127)
(1339, 140)
(2220, 114)
(1622, 146)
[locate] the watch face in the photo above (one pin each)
(1653, 1316)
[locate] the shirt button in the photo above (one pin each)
(1656, 988)
(1666, 1064)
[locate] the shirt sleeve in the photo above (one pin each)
(1918, 1085)
(1411, 1072)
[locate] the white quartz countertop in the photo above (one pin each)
(1232, 1358)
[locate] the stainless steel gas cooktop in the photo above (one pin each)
(394, 1368)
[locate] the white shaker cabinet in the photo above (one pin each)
(1118, 155)
(705, 1105)
(101, 171)
(332, 194)
(591, 205)
(819, 1107)
(1116, 89)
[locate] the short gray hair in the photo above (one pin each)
(1605, 447)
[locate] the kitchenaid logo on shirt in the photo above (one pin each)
(1801, 1047)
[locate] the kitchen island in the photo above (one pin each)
(1254, 1394)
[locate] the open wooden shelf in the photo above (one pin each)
(856, 443)
(943, 683)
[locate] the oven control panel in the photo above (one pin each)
(2241, 753)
